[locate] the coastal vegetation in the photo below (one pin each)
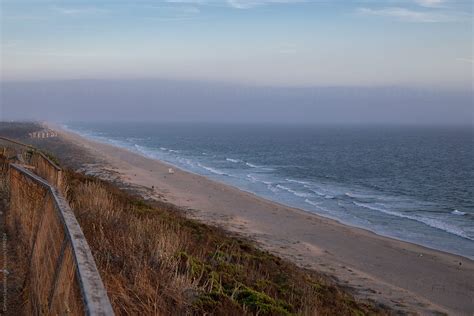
(155, 260)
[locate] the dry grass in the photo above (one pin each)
(155, 261)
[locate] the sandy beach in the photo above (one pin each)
(402, 275)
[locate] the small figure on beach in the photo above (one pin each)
(170, 171)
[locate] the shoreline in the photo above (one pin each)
(397, 273)
(282, 204)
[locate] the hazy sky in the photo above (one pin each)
(243, 60)
(282, 42)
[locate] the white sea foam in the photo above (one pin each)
(456, 212)
(434, 223)
(311, 202)
(283, 187)
(252, 178)
(297, 181)
(144, 151)
(272, 188)
(212, 170)
(186, 161)
(318, 192)
(322, 194)
(138, 147)
(384, 198)
(359, 196)
(297, 193)
(251, 165)
(233, 160)
(317, 205)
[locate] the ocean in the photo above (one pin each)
(411, 183)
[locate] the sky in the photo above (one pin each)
(282, 44)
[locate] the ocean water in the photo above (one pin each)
(411, 183)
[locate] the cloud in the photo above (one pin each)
(236, 4)
(430, 3)
(78, 10)
(190, 1)
(466, 60)
(246, 4)
(403, 14)
(173, 13)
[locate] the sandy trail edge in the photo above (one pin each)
(402, 275)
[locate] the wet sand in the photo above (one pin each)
(402, 275)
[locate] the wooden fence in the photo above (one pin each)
(62, 277)
(47, 169)
(44, 167)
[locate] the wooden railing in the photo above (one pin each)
(47, 169)
(44, 167)
(62, 277)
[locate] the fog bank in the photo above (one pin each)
(165, 100)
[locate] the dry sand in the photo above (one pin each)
(401, 275)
